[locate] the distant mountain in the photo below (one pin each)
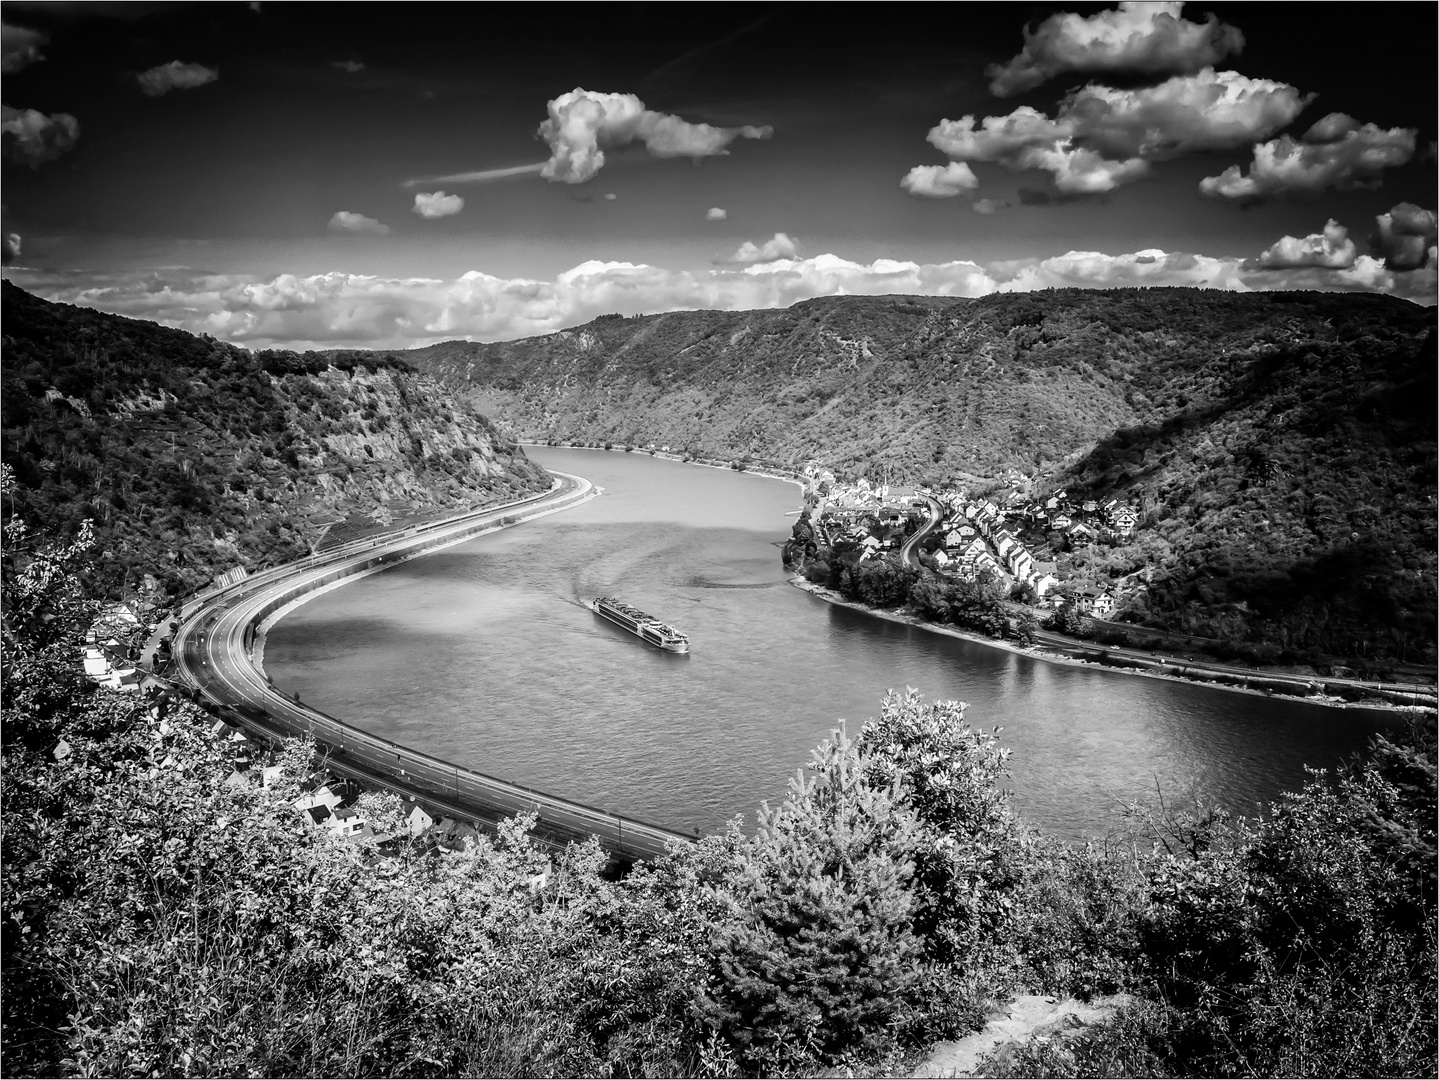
(1281, 444)
(192, 456)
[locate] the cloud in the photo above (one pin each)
(9, 248)
(347, 222)
(1094, 269)
(988, 206)
(940, 181)
(483, 176)
(437, 204)
(31, 138)
(354, 67)
(1331, 250)
(778, 246)
(1337, 152)
(1101, 137)
(715, 213)
(1404, 237)
(582, 125)
(1206, 110)
(1147, 38)
(351, 310)
(175, 75)
(610, 196)
(19, 48)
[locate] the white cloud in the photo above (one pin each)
(348, 222)
(19, 48)
(1207, 110)
(582, 125)
(1337, 152)
(353, 67)
(987, 206)
(1148, 38)
(1331, 250)
(437, 204)
(1102, 137)
(940, 181)
(174, 76)
(341, 310)
(715, 213)
(610, 196)
(778, 246)
(32, 138)
(9, 248)
(1405, 236)
(1095, 269)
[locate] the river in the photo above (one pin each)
(484, 655)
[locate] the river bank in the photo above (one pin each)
(1259, 684)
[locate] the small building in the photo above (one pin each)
(418, 820)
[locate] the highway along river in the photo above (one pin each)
(484, 655)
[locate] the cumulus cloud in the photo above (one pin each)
(1147, 38)
(988, 206)
(1095, 269)
(1207, 110)
(9, 248)
(583, 124)
(346, 222)
(31, 138)
(1331, 250)
(354, 67)
(715, 213)
(342, 310)
(940, 181)
(778, 246)
(1404, 237)
(1337, 152)
(1102, 137)
(19, 48)
(437, 204)
(175, 75)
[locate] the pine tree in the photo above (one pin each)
(817, 958)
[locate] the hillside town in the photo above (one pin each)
(977, 538)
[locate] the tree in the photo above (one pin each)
(817, 955)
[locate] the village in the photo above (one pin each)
(976, 539)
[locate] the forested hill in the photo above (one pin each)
(192, 456)
(1282, 443)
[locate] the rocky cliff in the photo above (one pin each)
(192, 456)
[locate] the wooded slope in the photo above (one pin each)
(1283, 444)
(192, 456)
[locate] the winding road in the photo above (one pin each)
(909, 553)
(214, 654)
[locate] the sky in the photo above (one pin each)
(392, 175)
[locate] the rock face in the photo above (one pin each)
(193, 457)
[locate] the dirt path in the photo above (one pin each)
(1022, 1019)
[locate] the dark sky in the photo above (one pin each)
(373, 173)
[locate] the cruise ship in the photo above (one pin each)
(645, 627)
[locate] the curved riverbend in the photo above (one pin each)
(486, 656)
(213, 650)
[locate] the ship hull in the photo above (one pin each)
(638, 630)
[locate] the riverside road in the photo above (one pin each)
(213, 652)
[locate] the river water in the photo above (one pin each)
(484, 655)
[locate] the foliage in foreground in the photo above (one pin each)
(159, 920)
